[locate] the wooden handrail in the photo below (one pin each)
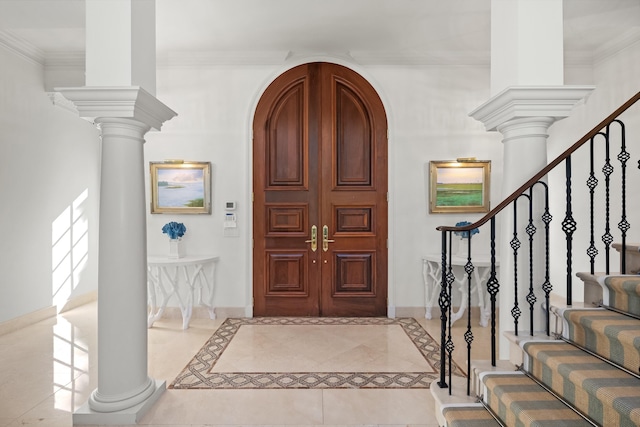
(593, 132)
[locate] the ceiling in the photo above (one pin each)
(402, 30)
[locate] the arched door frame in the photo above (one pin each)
(391, 287)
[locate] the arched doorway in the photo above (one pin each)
(320, 195)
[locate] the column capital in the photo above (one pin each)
(127, 102)
(522, 102)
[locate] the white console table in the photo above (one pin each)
(185, 278)
(432, 276)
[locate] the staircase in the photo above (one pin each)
(584, 369)
(589, 376)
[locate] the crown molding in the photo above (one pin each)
(65, 60)
(195, 59)
(59, 100)
(430, 58)
(603, 52)
(21, 47)
(617, 44)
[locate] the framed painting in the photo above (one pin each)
(461, 185)
(180, 187)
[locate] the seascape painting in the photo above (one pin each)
(180, 187)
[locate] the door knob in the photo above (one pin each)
(314, 238)
(325, 238)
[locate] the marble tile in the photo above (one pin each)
(50, 368)
(312, 348)
(211, 407)
(379, 406)
(481, 335)
(171, 348)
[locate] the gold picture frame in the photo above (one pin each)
(179, 187)
(461, 185)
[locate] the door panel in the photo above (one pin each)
(352, 139)
(320, 160)
(286, 144)
(287, 274)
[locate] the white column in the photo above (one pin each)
(523, 115)
(122, 291)
(121, 43)
(526, 43)
(124, 115)
(528, 96)
(120, 99)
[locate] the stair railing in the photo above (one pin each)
(603, 134)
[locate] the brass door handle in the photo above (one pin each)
(325, 238)
(314, 238)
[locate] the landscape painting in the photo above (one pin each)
(459, 186)
(180, 187)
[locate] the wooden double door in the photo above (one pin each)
(320, 195)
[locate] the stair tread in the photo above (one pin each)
(583, 379)
(518, 400)
(612, 335)
(624, 293)
(468, 416)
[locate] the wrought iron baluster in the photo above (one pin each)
(450, 278)
(531, 231)
(449, 345)
(592, 183)
(623, 225)
(569, 227)
(493, 286)
(468, 335)
(607, 169)
(546, 285)
(443, 302)
(515, 245)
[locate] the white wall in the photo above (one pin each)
(427, 109)
(49, 158)
(49, 180)
(214, 106)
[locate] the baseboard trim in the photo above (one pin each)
(415, 312)
(79, 300)
(28, 319)
(203, 313)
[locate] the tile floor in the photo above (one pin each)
(49, 369)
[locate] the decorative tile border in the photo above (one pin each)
(197, 374)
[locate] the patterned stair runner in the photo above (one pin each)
(468, 416)
(519, 401)
(623, 293)
(611, 335)
(607, 395)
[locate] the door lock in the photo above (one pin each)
(325, 238)
(314, 238)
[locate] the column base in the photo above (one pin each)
(85, 415)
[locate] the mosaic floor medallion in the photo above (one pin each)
(199, 373)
